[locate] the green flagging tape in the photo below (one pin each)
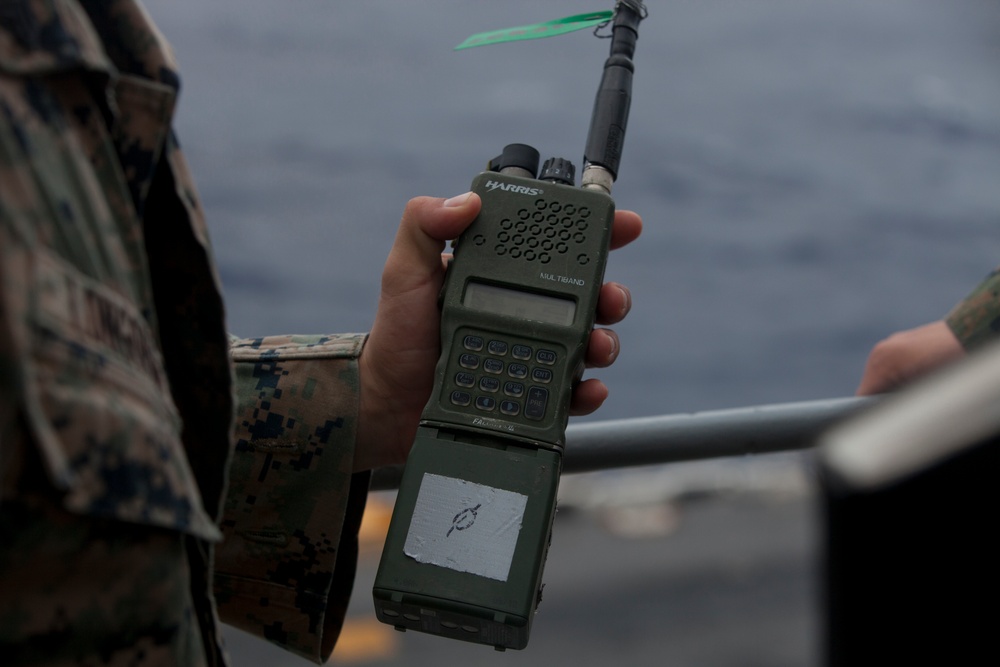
(538, 30)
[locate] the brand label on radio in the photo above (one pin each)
(511, 187)
(567, 280)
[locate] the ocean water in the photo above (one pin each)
(813, 175)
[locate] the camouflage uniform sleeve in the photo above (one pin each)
(976, 319)
(285, 568)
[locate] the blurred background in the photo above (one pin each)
(813, 175)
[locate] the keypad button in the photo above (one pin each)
(465, 379)
(519, 371)
(486, 403)
(522, 352)
(494, 366)
(541, 375)
(497, 347)
(511, 408)
(461, 398)
(489, 384)
(515, 389)
(474, 343)
(536, 403)
(547, 357)
(470, 361)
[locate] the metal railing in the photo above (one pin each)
(621, 443)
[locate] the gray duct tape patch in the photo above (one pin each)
(465, 526)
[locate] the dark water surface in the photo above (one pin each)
(813, 176)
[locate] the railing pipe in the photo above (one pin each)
(621, 443)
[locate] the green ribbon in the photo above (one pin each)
(538, 30)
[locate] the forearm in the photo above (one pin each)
(286, 565)
(976, 319)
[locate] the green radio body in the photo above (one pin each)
(518, 307)
(472, 522)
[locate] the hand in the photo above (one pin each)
(396, 367)
(613, 304)
(906, 355)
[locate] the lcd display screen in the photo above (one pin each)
(515, 303)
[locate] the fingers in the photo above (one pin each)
(625, 229)
(613, 303)
(602, 349)
(615, 300)
(588, 396)
(907, 355)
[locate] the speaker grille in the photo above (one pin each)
(540, 232)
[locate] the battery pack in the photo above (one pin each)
(468, 539)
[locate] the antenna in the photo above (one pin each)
(614, 97)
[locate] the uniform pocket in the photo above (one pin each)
(101, 399)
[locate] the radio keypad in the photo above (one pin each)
(509, 369)
(486, 403)
(498, 348)
(519, 371)
(513, 389)
(538, 399)
(547, 357)
(521, 352)
(494, 366)
(543, 375)
(461, 398)
(512, 408)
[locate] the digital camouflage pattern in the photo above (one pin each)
(281, 551)
(89, 593)
(116, 389)
(976, 320)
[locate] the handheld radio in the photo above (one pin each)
(472, 523)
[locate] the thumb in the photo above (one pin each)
(427, 223)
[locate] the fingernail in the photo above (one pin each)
(614, 347)
(457, 201)
(627, 301)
